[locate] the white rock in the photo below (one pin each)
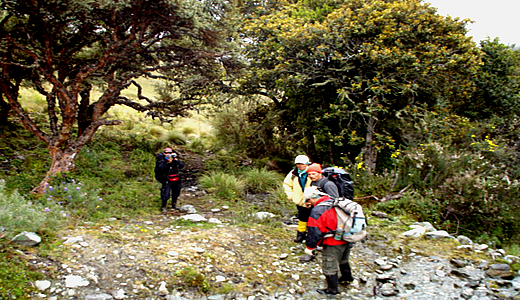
(73, 281)
(220, 278)
(42, 285)
(73, 240)
(194, 218)
(162, 288)
(119, 294)
(214, 221)
(27, 239)
(198, 250)
(416, 232)
(173, 253)
(438, 234)
(263, 215)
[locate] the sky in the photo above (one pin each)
(493, 18)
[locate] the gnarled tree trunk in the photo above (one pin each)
(62, 162)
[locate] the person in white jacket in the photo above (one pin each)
(294, 184)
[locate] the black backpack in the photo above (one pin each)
(342, 180)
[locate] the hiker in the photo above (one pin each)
(320, 181)
(294, 184)
(335, 253)
(167, 168)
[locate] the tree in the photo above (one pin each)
(346, 73)
(66, 49)
(497, 83)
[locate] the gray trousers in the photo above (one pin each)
(333, 257)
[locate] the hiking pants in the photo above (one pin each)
(333, 257)
(303, 213)
(168, 188)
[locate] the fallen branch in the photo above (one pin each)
(394, 196)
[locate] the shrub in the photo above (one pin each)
(18, 214)
(175, 138)
(261, 180)
(222, 185)
(78, 199)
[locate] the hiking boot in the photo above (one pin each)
(307, 258)
(332, 285)
(300, 236)
(163, 209)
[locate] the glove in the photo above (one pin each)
(309, 251)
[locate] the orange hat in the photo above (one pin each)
(314, 168)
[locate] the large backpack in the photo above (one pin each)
(350, 217)
(342, 180)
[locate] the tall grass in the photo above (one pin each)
(223, 185)
(261, 180)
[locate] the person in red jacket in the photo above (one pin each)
(320, 231)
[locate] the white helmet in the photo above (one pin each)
(301, 159)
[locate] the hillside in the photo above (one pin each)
(163, 256)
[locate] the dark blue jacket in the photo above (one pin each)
(163, 168)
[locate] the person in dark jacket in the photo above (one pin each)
(321, 228)
(316, 175)
(167, 168)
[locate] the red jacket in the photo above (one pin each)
(323, 220)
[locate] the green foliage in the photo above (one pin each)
(78, 199)
(497, 83)
(15, 277)
(362, 61)
(224, 161)
(175, 138)
(261, 180)
(414, 204)
(193, 278)
(222, 185)
(20, 214)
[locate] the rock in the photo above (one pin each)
(499, 271)
(220, 278)
(27, 239)
(73, 240)
(388, 290)
(480, 247)
(190, 209)
(119, 294)
(163, 291)
(511, 259)
(194, 218)
(426, 225)
(42, 285)
(73, 281)
(416, 232)
(459, 263)
(263, 215)
(438, 234)
(380, 214)
(214, 221)
(99, 297)
(464, 240)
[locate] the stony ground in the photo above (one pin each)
(161, 257)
